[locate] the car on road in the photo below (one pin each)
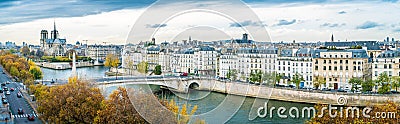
(12, 89)
(19, 95)
(8, 93)
(31, 117)
(5, 101)
(20, 111)
(7, 82)
(5, 88)
(3, 84)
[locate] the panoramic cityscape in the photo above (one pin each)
(250, 61)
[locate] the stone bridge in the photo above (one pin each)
(175, 83)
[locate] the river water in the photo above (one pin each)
(234, 109)
(86, 73)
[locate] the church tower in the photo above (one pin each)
(54, 33)
(43, 36)
(332, 39)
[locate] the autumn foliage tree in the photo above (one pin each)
(112, 61)
(75, 102)
(117, 109)
(18, 67)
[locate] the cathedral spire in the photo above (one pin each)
(55, 31)
(332, 39)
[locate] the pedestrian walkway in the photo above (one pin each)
(24, 115)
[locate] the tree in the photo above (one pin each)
(256, 77)
(278, 78)
(232, 74)
(36, 72)
(268, 78)
(296, 79)
(112, 61)
(384, 82)
(14, 71)
(367, 85)
(318, 81)
(157, 70)
(396, 82)
(355, 82)
(118, 109)
(143, 67)
(25, 51)
(74, 102)
(129, 64)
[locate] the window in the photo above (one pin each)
(376, 73)
(341, 61)
(347, 61)
(341, 67)
(359, 67)
(376, 65)
(384, 66)
(354, 62)
(354, 68)
(330, 61)
(330, 68)
(390, 66)
(324, 61)
(347, 67)
(316, 67)
(335, 68)
(316, 61)
(324, 67)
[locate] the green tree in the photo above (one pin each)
(384, 82)
(278, 78)
(129, 64)
(396, 82)
(112, 61)
(256, 76)
(232, 75)
(157, 70)
(36, 72)
(354, 83)
(143, 67)
(318, 81)
(296, 79)
(367, 85)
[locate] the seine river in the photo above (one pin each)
(206, 101)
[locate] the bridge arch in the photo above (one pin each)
(194, 85)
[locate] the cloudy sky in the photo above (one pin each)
(121, 21)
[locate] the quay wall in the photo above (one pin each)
(294, 95)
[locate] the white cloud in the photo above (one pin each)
(114, 26)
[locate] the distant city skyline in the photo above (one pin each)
(111, 21)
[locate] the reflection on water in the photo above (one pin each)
(209, 101)
(86, 73)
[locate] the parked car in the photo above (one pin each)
(5, 101)
(12, 89)
(8, 93)
(20, 111)
(19, 95)
(7, 82)
(184, 74)
(31, 117)
(3, 84)
(5, 88)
